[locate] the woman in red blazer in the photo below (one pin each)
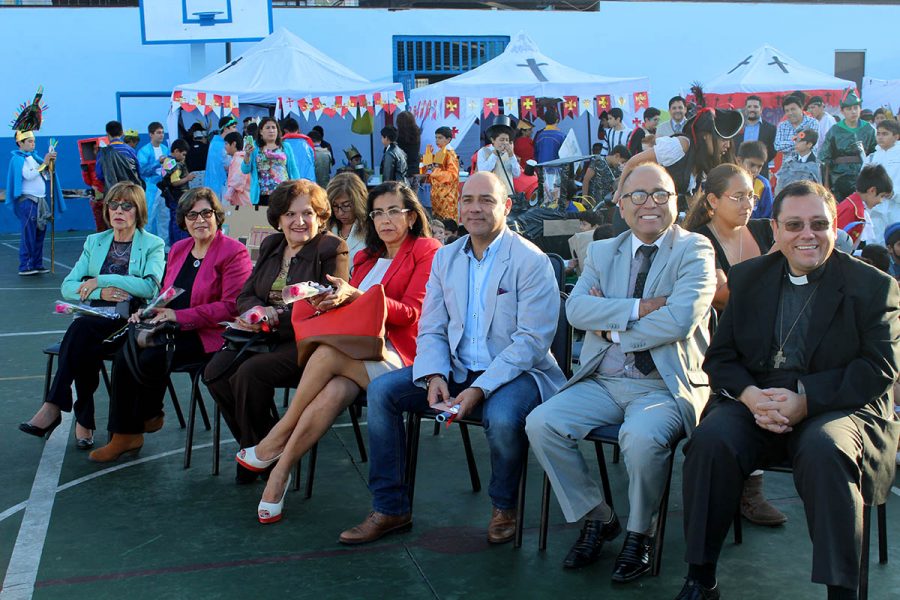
(398, 254)
(211, 269)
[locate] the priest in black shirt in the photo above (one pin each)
(801, 367)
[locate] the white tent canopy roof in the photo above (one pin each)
(283, 65)
(767, 69)
(522, 70)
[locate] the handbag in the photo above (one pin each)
(356, 329)
(245, 344)
(141, 336)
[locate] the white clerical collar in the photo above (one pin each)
(802, 280)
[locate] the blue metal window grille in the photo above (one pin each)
(441, 57)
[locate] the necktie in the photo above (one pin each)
(642, 360)
(677, 127)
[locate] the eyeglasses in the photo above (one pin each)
(345, 207)
(206, 213)
(639, 197)
(738, 198)
(797, 226)
(116, 205)
(391, 213)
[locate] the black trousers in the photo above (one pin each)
(81, 355)
(131, 403)
(246, 396)
(825, 452)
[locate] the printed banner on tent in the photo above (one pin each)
(529, 107)
(641, 101)
(205, 102)
(491, 107)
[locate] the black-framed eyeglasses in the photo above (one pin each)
(116, 205)
(345, 207)
(797, 226)
(391, 213)
(739, 198)
(206, 213)
(639, 197)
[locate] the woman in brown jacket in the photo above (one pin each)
(303, 250)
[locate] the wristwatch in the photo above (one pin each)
(433, 376)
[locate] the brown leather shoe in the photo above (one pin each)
(155, 424)
(121, 443)
(376, 526)
(754, 506)
(502, 527)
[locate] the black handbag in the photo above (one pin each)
(244, 344)
(141, 336)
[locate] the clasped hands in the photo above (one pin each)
(646, 306)
(156, 315)
(110, 293)
(468, 399)
(775, 409)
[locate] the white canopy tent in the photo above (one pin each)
(877, 93)
(516, 78)
(771, 74)
(286, 72)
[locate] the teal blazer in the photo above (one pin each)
(145, 270)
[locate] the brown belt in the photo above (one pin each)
(848, 160)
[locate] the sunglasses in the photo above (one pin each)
(797, 226)
(206, 213)
(116, 205)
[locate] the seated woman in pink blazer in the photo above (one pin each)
(211, 268)
(398, 254)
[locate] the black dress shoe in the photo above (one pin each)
(587, 549)
(634, 559)
(693, 590)
(245, 476)
(40, 431)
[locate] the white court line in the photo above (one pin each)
(26, 557)
(21, 333)
(896, 490)
(12, 510)
(55, 262)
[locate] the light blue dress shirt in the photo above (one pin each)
(473, 350)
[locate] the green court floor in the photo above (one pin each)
(147, 528)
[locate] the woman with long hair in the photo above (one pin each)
(269, 161)
(347, 196)
(409, 138)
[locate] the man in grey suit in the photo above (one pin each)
(644, 300)
(489, 316)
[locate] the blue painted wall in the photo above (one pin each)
(83, 56)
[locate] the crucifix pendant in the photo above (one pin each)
(779, 359)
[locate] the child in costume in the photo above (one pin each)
(802, 164)
(173, 184)
(237, 189)
(27, 194)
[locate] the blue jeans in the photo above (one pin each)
(503, 415)
(31, 246)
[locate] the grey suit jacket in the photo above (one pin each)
(522, 304)
(665, 129)
(676, 335)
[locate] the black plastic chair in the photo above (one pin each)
(881, 511)
(195, 370)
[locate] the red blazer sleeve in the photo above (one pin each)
(405, 310)
(233, 268)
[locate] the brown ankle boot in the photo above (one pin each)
(754, 506)
(121, 443)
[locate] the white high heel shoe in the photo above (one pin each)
(247, 459)
(270, 512)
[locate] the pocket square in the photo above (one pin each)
(501, 291)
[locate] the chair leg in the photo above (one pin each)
(882, 534)
(412, 458)
(545, 514)
(864, 555)
(48, 377)
(661, 520)
(310, 476)
(189, 438)
(105, 375)
(604, 475)
(286, 399)
(360, 443)
(738, 528)
(195, 391)
(520, 504)
(217, 432)
(297, 474)
(437, 428)
(617, 453)
(470, 457)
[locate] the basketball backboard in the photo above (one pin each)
(200, 21)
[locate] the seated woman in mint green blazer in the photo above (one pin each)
(117, 265)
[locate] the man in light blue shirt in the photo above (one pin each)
(150, 159)
(489, 316)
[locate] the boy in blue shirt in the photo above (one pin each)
(752, 156)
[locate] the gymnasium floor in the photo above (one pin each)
(147, 528)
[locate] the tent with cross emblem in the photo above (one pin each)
(283, 75)
(511, 84)
(771, 74)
